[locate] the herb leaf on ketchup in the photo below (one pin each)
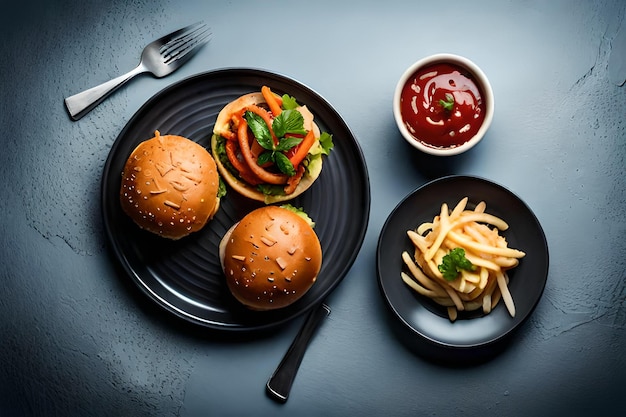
(448, 103)
(452, 264)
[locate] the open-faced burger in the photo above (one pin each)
(267, 147)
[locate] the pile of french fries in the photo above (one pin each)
(477, 232)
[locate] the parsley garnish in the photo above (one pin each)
(288, 121)
(289, 102)
(452, 264)
(448, 103)
(326, 140)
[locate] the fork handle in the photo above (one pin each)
(82, 103)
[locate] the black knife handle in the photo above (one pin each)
(279, 384)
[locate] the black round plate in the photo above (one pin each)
(185, 276)
(429, 320)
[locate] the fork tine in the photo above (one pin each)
(178, 33)
(184, 55)
(190, 42)
(180, 42)
(181, 38)
(181, 56)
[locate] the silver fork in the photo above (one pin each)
(161, 58)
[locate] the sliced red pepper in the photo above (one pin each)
(273, 102)
(244, 171)
(246, 152)
(303, 149)
(293, 181)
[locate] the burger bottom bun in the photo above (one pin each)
(222, 122)
(222, 126)
(270, 259)
(169, 186)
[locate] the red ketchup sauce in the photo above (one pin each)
(427, 120)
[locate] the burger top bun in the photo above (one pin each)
(170, 186)
(271, 258)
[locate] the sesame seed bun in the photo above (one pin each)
(170, 186)
(271, 258)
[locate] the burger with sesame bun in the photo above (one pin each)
(271, 258)
(170, 186)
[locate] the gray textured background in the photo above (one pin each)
(78, 339)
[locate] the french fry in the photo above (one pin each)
(485, 248)
(444, 226)
(506, 295)
(487, 304)
(418, 288)
(420, 277)
(470, 245)
(418, 240)
(452, 313)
